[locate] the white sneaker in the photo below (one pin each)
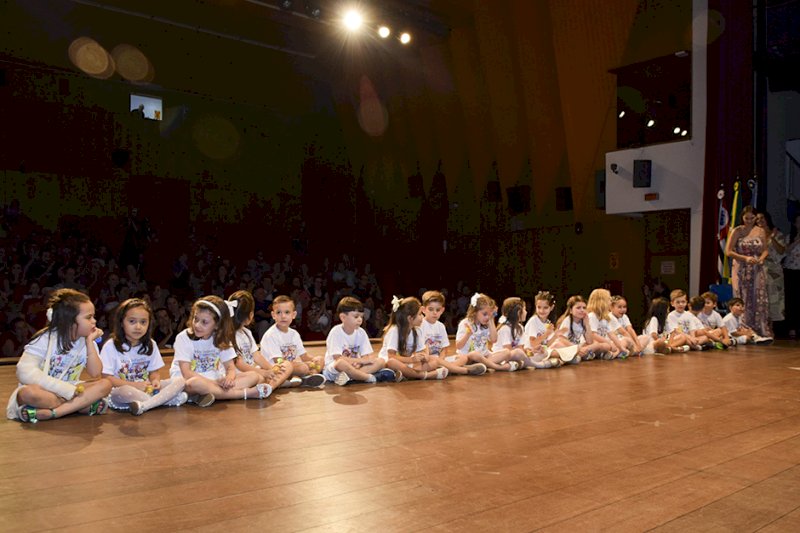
(342, 379)
(264, 390)
(370, 379)
(758, 339)
(513, 366)
(316, 381)
(441, 372)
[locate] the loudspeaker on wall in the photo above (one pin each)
(642, 169)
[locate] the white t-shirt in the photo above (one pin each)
(684, 322)
(130, 365)
(652, 327)
(574, 330)
(66, 366)
(713, 320)
(731, 322)
(602, 326)
(246, 345)
(390, 342)
(276, 344)
(477, 342)
(504, 338)
(355, 345)
(434, 336)
(536, 328)
(204, 358)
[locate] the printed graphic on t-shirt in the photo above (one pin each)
(434, 344)
(203, 362)
(60, 369)
(353, 351)
(289, 352)
(479, 341)
(134, 370)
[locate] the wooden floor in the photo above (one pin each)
(707, 441)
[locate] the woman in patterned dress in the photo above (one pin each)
(748, 247)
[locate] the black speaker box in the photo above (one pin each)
(642, 170)
(519, 199)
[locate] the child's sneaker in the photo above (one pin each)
(316, 381)
(513, 366)
(441, 372)
(264, 390)
(384, 375)
(476, 369)
(136, 408)
(370, 379)
(342, 379)
(622, 355)
(292, 382)
(758, 339)
(719, 346)
(205, 400)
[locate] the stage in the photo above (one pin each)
(698, 441)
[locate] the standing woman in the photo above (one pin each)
(748, 248)
(777, 248)
(791, 271)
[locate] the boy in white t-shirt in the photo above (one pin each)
(283, 345)
(739, 331)
(348, 352)
(680, 321)
(717, 336)
(434, 337)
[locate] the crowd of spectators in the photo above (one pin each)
(35, 262)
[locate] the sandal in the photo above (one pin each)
(27, 413)
(264, 390)
(98, 408)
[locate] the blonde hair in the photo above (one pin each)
(600, 304)
(483, 301)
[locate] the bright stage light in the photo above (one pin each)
(651, 123)
(621, 113)
(405, 38)
(352, 20)
(384, 32)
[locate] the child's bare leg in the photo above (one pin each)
(407, 371)
(47, 403)
(342, 365)
(281, 373)
(457, 366)
(477, 357)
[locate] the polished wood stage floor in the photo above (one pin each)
(705, 441)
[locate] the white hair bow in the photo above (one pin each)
(232, 305)
(49, 314)
(501, 320)
(395, 304)
(474, 300)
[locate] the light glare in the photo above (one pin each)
(651, 123)
(405, 38)
(384, 32)
(352, 20)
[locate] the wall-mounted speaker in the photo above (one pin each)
(642, 170)
(600, 189)
(120, 157)
(563, 198)
(519, 199)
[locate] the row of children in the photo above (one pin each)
(216, 356)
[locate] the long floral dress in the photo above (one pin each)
(750, 284)
(775, 285)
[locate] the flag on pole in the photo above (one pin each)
(736, 209)
(723, 218)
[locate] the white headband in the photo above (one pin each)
(395, 304)
(214, 307)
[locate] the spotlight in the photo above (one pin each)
(313, 11)
(651, 123)
(683, 133)
(405, 37)
(621, 114)
(677, 130)
(286, 4)
(352, 20)
(384, 32)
